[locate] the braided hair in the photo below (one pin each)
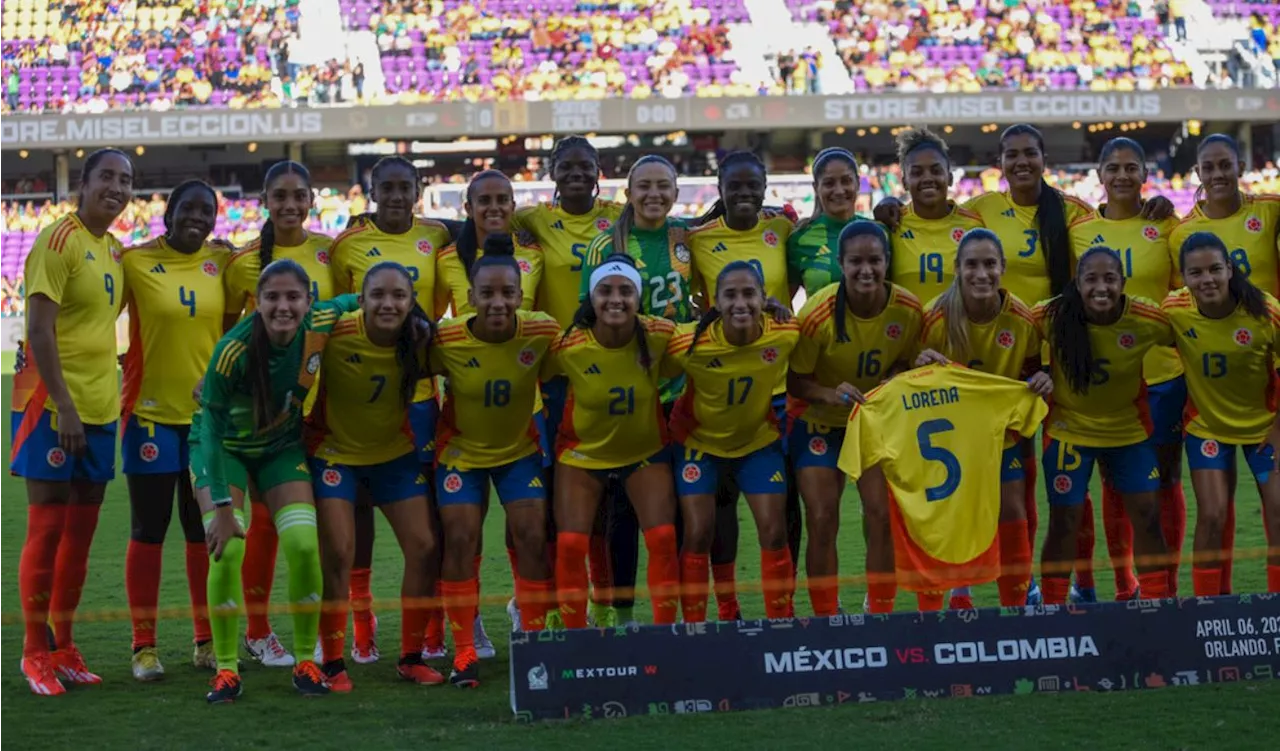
(717, 209)
(176, 196)
(499, 250)
(621, 233)
(267, 237)
(1069, 326)
(585, 316)
(713, 313)
(468, 240)
(258, 362)
(1051, 217)
(412, 366)
(1242, 290)
(860, 228)
(564, 145)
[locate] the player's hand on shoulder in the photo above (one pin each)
(888, 212)
(227, 245)
(1157, 208)
(779, 312)
(931, 357)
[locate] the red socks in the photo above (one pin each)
(434, 637)
(1154, 584)
(142, 563)
(599, 570)
(663, 573)
(333, 630)
(1273, 579)
(361, 605)
(929, 602)
(778, 575)
(882, 590)
(1207, 582)
(535, 599)
(72, 567)
(571, 577)
(259, 570)
(413, 622)
(824, 595)
(1054, 589)
(725, 579)
(1119, 532)
(1173, 522)
(35, 572)
(461, 600)
(1015, 563)
(694, 569)
(1086, 538)
(198, 588)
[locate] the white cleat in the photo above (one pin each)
(367, 654)
(317, 654)
(513, 613)
(484, 646)
(269, 651)
(434, 654)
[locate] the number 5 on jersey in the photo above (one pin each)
(932, 453)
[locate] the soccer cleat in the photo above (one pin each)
(317, 654)
(203, 656)
(227, 687)
(269, 651)
(1083, 595)
(600, 616)
(960, 602)
(1034, 598)
(367, 654)
(336, 678)
(513, 613)
(554, 622)
(465, 674)
(484, 645)
(435, 653)
(38, 670)
(309, 679)
(146, 665)
(412, 668)
(69, 665)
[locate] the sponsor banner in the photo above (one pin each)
(453, 119)
(720, 667)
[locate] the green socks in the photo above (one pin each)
(225, 594)
(296, 527)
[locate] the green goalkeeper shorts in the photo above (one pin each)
(266, 472)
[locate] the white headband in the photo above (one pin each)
(615, 268)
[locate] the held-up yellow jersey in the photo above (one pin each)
(875, 345)
(175, 303)
(1026, 270)
(764, 246)
(452, 283)
(1250, 235)
(1230, 364)
(726, 409)
(1149, 270)
(487, 420)
(938, 432)
(359, 418)
(924, 250)
(1114, 411)
(81, 273)
(613, 415)
(564, 238)
(241, 277)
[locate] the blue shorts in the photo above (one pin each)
(814, 446)
(37, 455)
(663, 456)
(761, 472)
(780, 414)
(1068, 469)
(387, 482)
(1206, 453)
(152, 448)
(1011, 469)
(516, 481)
(1165, 402)
(422, 421)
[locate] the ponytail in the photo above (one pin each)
(258, 362)
(620, 236)
(1051, 218)
(266, 243)
(412, 367)
(1069, 329)
(1243, 291)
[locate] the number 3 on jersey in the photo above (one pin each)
(932, 453)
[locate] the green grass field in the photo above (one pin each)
(384, 712)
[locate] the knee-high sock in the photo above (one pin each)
(361, 605)
(882, 590)
(724, 578)
(35, 572)
(1086, 538)
(333, 628)
(1206, 580)
(571, 577)
(1119, 532)
(225, 593)
(414, 612)
(260, 547)
(197, 587)
(72, 568)
(1015, 563)
(299, 539)
(434, 637)
(142, 562)
(461, 600)
(663, 573)
(778, 576)
(694, 568)
(1173, 522)
(535, 598)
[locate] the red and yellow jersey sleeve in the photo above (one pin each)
(924, 250)
(175, 306)
(82, 274)
(452, 283)
(874, 347)
(613, 416)
(1230, 365)
(1007, 346)
(1026, 272)
(938, 433)
(244, 268)
(1250, 235)
(726, 408)
(1113, 411)
(487, 420)
(714, 245)
(564, 239)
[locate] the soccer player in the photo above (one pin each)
(392, 233)
(286, 193)
(175, 302)
(1143, 245)
(65, 408)
(491, 359)
(853, 335)
(1227, 333)
(978, 323)
(368, 377)
(810, 262)
(249, 430)
(1098, 337)
(613, 424)
(725, 425)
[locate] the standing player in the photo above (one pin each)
(175, 303)
(1099, 337)
(491, 359)
(1227, 332)
(725, 424)
(65, 408)
(810, 262)
(853, 335)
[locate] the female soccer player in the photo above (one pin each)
(175, 302)
(853, 335)
(725, 425)
(286, 192)
(978, 323)
(1143, 245)
(810, 262)
(355, 444)
(249, 430)
(1098, 338)
(65, 408)
(491, 359)
(1225, 328)
(613, 425)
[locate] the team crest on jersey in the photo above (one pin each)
(1062, 484)
(1005, 339)
(331, 477)
(682, 253)
(209, 268)
(1243, 337)
(818, 446)
(425, 247)
(1210, 449)
(1151, 232)
(691, 473)
(148, 452)
(769, 354)
(525, 268)
(527, 356)
(770, 238)
(322, 256)
(957, 234)
(115, 255)
(56, 457)
(893, 331)
(452, 482)
(1253, 224)
(313, 363)
(1126, 340)
(603, 224)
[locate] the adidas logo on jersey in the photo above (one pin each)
(720, 248)
(1155, 474)
(354, 358)
(1191, 333)
(473, 363)
(373, 253)
(1009, 213)
(88, 255)
(908, 235)
(157, 269)
(1099, 240)
(593, 370)
(777, 477)
(535, 482)
(715, 363)
(558, 224)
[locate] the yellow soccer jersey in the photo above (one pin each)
(564, 238)
(452, 283)
(924, 250)
(1250, 235)
(241, 277)
(1026, 270)
(764, 246)
(875, 345)
(487, 420)
(82, 274)
(613, 415)
(1230, 364)
(362, 246)
(1114, 411)
(175, 303)
(1007, 345)
(726, 409)
(359, 417)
